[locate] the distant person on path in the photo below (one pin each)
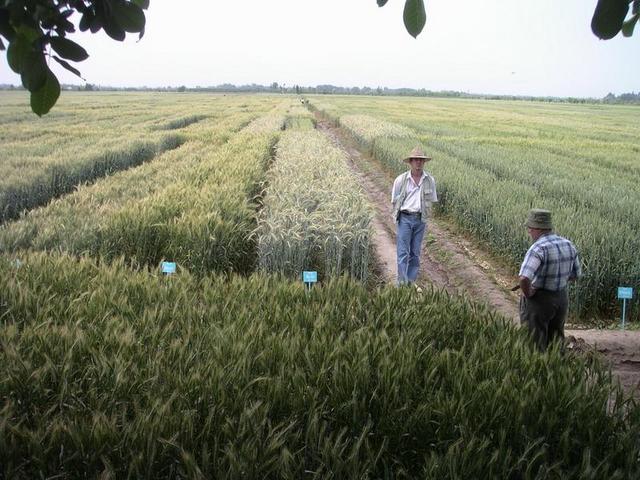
(550, 263)
(411, 196)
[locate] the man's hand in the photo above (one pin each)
(526, 287)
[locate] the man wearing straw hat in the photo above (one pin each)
(550, 263)
(411, 196)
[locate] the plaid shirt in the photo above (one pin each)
(550, 262)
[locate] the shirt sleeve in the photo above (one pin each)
(576, 271)
(394, 189)
(531, 263)
(434, 195)
(429, 187)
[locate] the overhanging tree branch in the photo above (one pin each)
(36, 29)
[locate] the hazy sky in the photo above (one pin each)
(539, 47)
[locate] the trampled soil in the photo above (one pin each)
(451, 262)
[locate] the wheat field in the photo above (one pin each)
(231, 367)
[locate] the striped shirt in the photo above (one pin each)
(550, 262)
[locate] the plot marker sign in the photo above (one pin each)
(309, 278)
(624, 293)
(168, 268)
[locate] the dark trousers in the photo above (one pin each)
(544, 314)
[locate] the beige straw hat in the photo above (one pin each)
(416, 153)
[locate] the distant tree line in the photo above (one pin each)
(624, 98)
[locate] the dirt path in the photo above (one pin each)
(451, 262)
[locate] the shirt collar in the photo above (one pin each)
(424, 175)
(543, 237)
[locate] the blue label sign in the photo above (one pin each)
(168, 267)
(625, 292)
(309, 277)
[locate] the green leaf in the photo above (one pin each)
(95, 24)
(67, 66)
(382, 3)
(629, 25)
(34, 71)
(46, 96)
(65, 26)
(68, 49)
(635, 8)
(85, 21)
(608, 18)
(18, 53)
(113, 29)
(144, 4)
(129, 16)
(29, 32)
(414, 17)
(6, 30)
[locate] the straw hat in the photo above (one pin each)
(540, 219)
(416, 153)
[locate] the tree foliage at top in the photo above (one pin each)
(609, 18)
(35, 31)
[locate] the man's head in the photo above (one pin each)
(538, 223)
(416, 159)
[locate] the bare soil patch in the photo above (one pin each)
(457, 265)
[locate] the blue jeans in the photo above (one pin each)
(410, 233)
